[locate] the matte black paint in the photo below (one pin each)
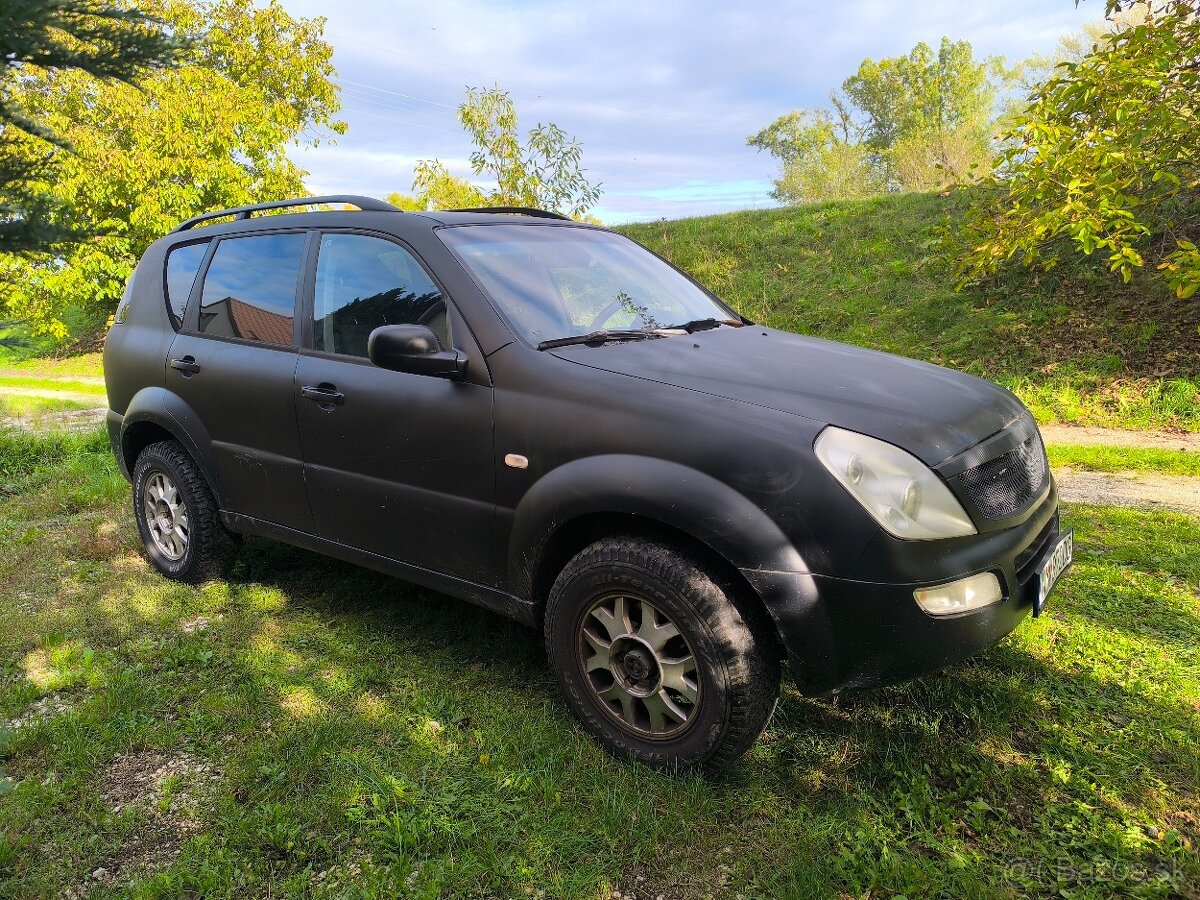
(708, 434)
(413, 349)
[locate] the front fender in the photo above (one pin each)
(685, 499)
(696, 504)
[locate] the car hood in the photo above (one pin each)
(932, 412)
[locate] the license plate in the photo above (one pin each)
(1056, 563)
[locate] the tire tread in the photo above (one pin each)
(212, 546)
(749, 657)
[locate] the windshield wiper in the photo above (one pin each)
(701, 325)
(602, 336)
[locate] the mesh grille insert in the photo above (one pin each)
(1005, 485)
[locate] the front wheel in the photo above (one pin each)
(656, 659)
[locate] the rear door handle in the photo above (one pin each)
(324, 394)
(187, 365)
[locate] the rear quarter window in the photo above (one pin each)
(183, 265)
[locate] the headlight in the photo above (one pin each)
(899, 491)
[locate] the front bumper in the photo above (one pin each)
(845, 634)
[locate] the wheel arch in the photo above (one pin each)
(154, 415)
(578, 503)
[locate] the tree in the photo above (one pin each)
(545, 172)
(912, 122)
(102, 39)
(1105, 159)
(820, 160)
(212, 132)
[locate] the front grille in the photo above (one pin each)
(1006, 485)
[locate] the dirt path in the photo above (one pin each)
(73, 419)
(1147, 490)
(1116, 437)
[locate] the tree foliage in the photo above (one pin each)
(209, 133)
(913, 122)
(1105, 158)
(96, 37)
(819, 159)
(545, 172)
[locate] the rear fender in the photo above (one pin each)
(158, 406)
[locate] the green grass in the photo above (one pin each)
(37, 408)
(367, 738)
(1125, 459)
(51, 384)
(23, 363)
(1073, 345)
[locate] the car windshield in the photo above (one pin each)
(556, 282)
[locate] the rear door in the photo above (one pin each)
(396, 464)
(234, 362)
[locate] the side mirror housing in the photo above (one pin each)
(413, 349)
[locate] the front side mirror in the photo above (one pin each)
(414, 349)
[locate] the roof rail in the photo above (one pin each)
(517, 210)
(244, 212)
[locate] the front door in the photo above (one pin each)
(396, 464)
(233, 363)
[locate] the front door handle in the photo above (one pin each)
(187, 365)
(325, 394)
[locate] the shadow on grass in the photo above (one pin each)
(385, 738)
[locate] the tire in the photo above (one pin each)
(641, 697)
(177, 516)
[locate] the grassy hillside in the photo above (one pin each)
(1075, 346)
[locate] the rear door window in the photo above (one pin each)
(250, 288)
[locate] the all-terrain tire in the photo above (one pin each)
(736, 664)
(208, 548)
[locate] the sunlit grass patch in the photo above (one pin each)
(73, 385)
(60, 663)
(33, 363)
(1091, 399)
(1125, 459)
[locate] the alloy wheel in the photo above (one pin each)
(166, 516)
(639, 666)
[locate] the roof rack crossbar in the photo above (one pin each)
(518, 210)
(367, 204)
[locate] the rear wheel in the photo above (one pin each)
(655, 657)
(177, 516)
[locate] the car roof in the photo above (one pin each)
(249, 218)
(387, 221)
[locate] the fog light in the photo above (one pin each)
(960, 596)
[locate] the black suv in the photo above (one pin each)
(546, 419)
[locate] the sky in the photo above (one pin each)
(661, 95)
